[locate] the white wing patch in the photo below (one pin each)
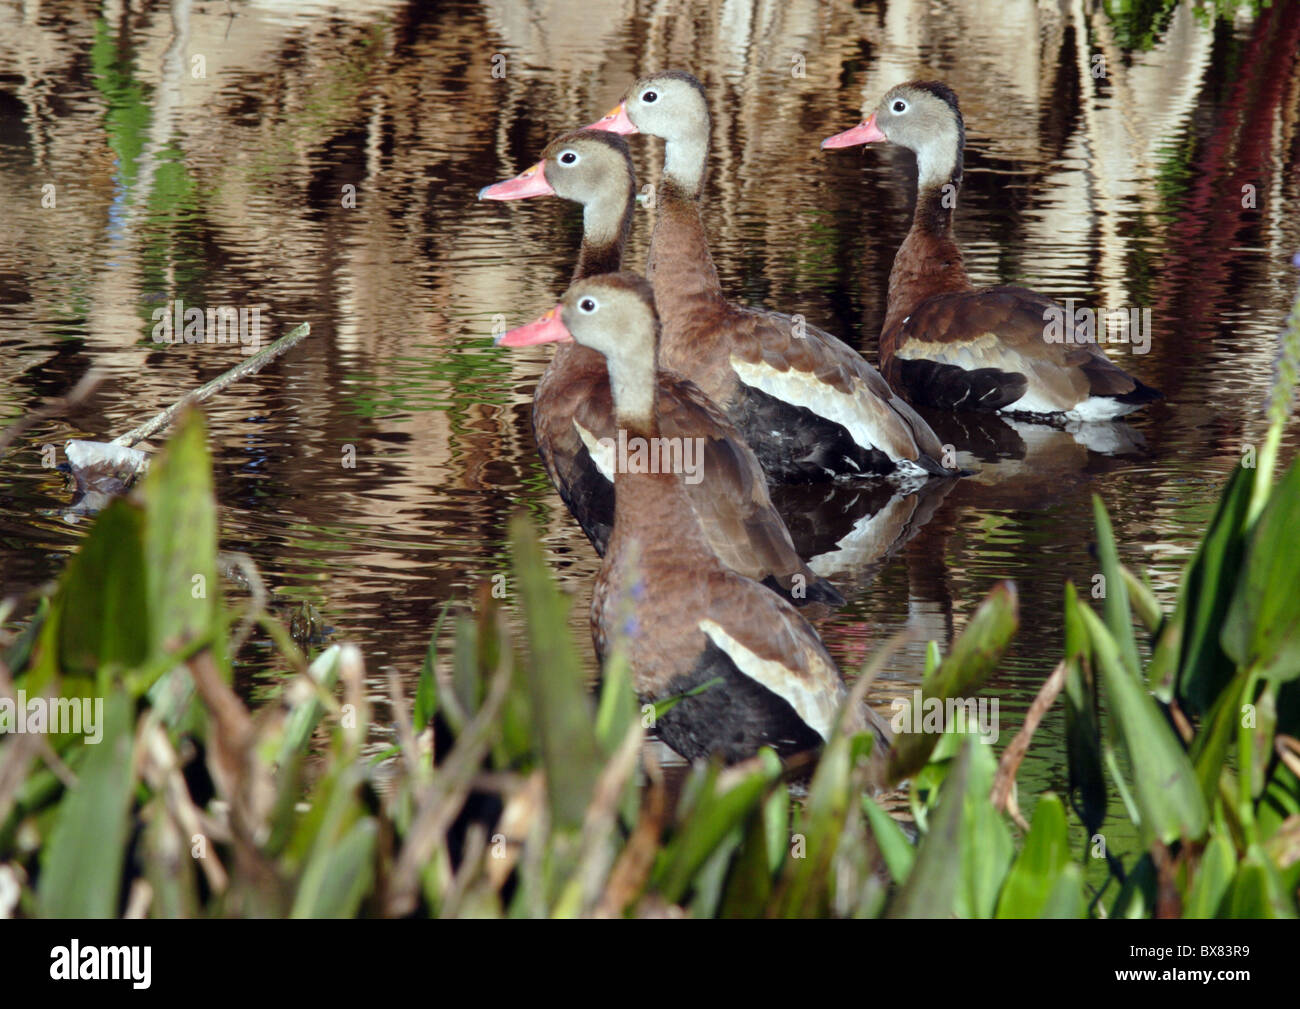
(601, 455)
(860, 412)
(806, 694)
(1096, 408)
(985, 351)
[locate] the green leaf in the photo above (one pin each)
(1166, 789)
(339, 876)
(181, 539)
(426, 690)
(306, 714)
(1213, 877)
(973, 658)
(1257, 890)
(1082, 726)
(1204, 597)
(749, 883)
(931, 888)
(82, 869)
(1137, 897)
(895, 848)
(1034, 878)
(987, 848)
(1066, 899)
(561, 707)
(1262, 626)
(1115, 605)
(713, 816)
(104, 614)
(1218, 730)
(805, 884)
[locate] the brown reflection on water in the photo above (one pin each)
(228, 189)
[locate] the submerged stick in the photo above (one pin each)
(1005, 778)
(249, 367)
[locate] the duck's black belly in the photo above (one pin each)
(732, 718)
(586, 492)
(796, 445)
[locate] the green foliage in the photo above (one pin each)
(306, 822)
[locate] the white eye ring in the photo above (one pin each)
(899, 106)
(588, 305)
(569, 156)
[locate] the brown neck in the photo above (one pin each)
(606, 223)
(928, 262)
(594, 259)
(653, 511)
(686, 285)
(602, 252)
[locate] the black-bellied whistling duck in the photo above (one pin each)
(573, 410)
(810, 406)
(949, 345)
(686, 617)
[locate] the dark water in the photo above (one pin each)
(1123, 190)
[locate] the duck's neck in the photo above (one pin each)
(606, 221)
(633, 387)
(679, 266)
(929, 261)
(685, 157)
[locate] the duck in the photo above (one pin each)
(948, 345)
(745, 667)
(573, 408)
(810, 406)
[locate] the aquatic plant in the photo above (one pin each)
(511, 790)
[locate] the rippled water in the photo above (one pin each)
(227, 189)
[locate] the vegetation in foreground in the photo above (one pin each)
(511, 791)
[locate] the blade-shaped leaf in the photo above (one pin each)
(931, 887)
(973, 658)
(1262, 626)
(1032, 882)
(82, 869)
(1207, 590)
(1119, 617)
(561, 707)
(1167, 792)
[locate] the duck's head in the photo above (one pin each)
(613, 313)
(670, 104)
(582, 166)
(922, 116)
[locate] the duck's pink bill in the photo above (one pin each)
(864, 133)
(528, 183)
(614, 121)
(548, 329)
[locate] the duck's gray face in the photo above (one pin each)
(613, 314)
(584, 168)
(614, 320)
(670, 105)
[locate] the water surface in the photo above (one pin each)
(230, 188)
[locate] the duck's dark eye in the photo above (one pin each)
(568, 158)
(587, 305)
(900, 105)
(650, 97)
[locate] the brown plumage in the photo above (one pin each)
(573, 407)
(949, 345)
(810, 406)
(685, 618)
